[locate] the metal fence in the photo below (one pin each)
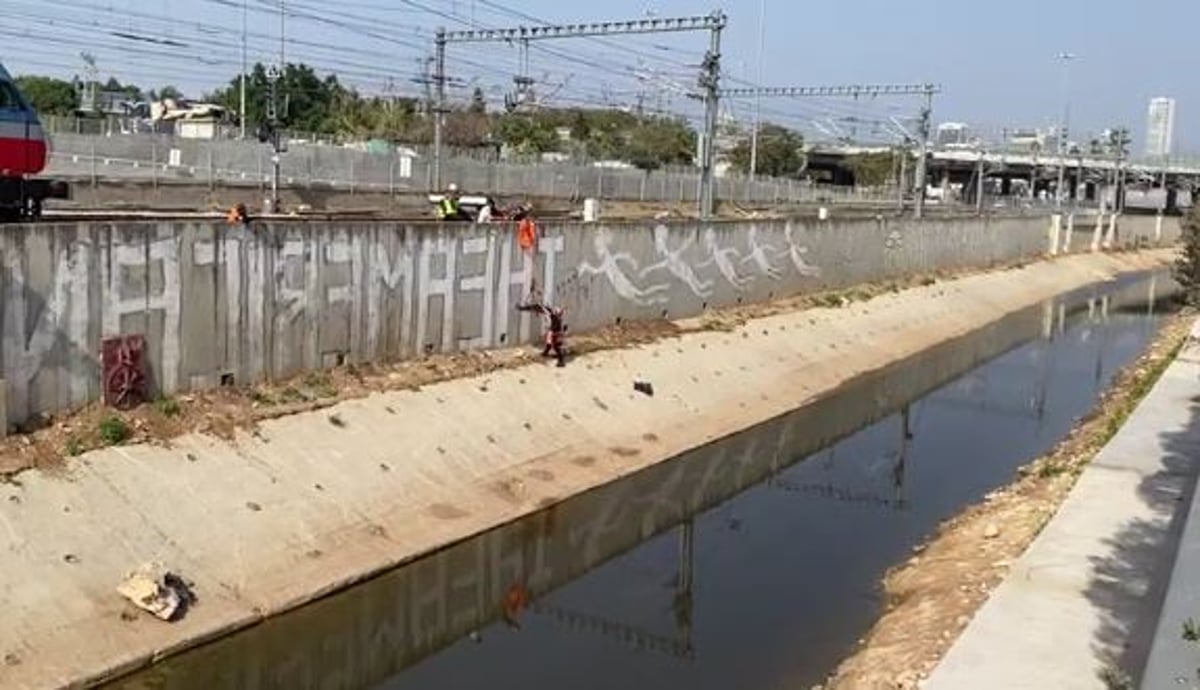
(162, 158)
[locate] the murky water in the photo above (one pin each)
(751, 563)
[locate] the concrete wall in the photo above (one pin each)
(274, 300)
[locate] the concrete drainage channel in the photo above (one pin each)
(749, 562)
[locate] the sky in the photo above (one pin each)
(996, 62)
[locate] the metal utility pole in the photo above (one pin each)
(439, 83)
(979, 170)
(710, 76)
(923, 153)
(242, 86)
(1063, 126)
(283, 35)
(710, 81)
(762, 35)
(271, 133)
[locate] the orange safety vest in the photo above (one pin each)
(527, 234)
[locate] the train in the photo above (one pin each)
(24, 152)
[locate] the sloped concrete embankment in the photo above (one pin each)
(316, 502)
(369, 633)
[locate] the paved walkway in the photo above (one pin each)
(1085, 596)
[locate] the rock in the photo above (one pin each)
(905, 681)
(156, 590)
(962, 621)
(991, 531)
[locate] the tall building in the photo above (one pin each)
(1160, 127)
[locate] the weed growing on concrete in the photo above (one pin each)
(1191, 632)
(168, 407)
(1046, 470)
(74, 446)
(291, 394)
(320, 384)
(261, 397)
(1115, 679)
(114, 430)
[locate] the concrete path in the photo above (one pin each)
(1084, 598)
(317, 502)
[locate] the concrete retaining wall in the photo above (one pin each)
(233, 304)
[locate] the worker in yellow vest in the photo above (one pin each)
(448, 207)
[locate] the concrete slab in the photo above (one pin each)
(1085, 596)
(302, 507)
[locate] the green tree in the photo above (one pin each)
(49, 96)
(780, 152)
(527, 134)
(1187, 267)
(131, 91)
(167, 92)
(660, 142)
(311, 101)
(872, 169)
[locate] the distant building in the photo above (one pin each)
(1160, 127)
(952, 134)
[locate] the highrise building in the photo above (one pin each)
(1160, 127)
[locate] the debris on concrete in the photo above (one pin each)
(991, 531)
(158, 591)
(644, 387)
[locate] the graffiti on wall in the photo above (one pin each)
(685, 261)
(217, 302)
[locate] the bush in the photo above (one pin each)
(114, 430)
(1187, 266)
(169, 407)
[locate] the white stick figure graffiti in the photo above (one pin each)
(797, 253)
(674, 262)
(610, 267)
(724, 260)
(758, 255)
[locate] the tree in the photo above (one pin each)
(872, 169)
(660, 142)
(166, 93)
(311, 100)
(130, 91)
(478, 102)
(49, 96)
(780, 152)
(1187, 267)
(527, 134)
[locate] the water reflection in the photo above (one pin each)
(739, 564)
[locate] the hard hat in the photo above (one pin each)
(453, 187)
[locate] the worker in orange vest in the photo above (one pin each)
(526, 228)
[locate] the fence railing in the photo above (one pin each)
(157, 158)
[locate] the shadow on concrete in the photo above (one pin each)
(1128, 584)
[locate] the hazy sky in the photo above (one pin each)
(997, 61)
